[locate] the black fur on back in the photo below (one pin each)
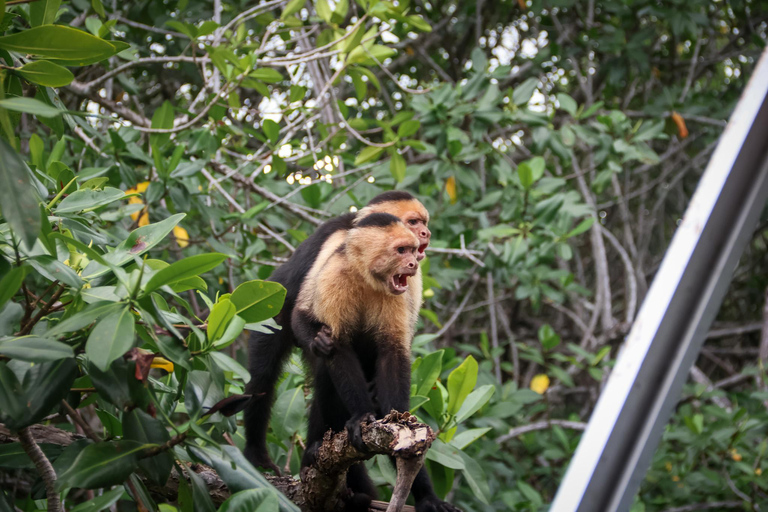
(391, 195)
(292, 273)
(378, 220)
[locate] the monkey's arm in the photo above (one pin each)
(345, 371)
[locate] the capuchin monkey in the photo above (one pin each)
(269, 351)
(356, 296)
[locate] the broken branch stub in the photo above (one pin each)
(399, 435)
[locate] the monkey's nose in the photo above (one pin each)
(411, 265)
(425, 234)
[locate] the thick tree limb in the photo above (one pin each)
(323, 485)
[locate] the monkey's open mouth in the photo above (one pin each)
(399, 283)
(422, 248)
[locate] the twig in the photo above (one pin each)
(44, 467)
(475, 279)
(240, 209)
(718, 505)
(87, 430)
(43, 311)
(494, 328)
(540, 425)
(629, 272)
(512, 345)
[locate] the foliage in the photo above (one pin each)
(159, 159)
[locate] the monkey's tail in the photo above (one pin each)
(267, 354)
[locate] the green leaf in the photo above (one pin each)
(102, 465)
(84, 318)
(11, 282)
(183, 269)
(43, 387)
(11, 396)
(428, 372)
(2, 14)
(475, 400)
(223, 312)
(288, 412)
(271, 130)
(467, 437)
(85, 200)
(367, 154)
(531, 171)
(323, 10)
(35, 350)
(567, 103)
(548, 337)
(408, 128)
(46, 73)
(43, 12)
(18, 200)
(233, 468)
(71, 46)
(476, 478)
(162, 119)
(397, 166)
(258, 300)
(523, 92)
(138, 242)
(445, 454)
(201, 393)
(29, 106)
(461, 381)
(292, 7)
(140, 426)
(268, 75)
(353, 41)
(100, 503)
(583, 226)
(252, 500)
(112, 337)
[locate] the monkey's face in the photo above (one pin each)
(414, 216)
(417, 223)
(404, 264)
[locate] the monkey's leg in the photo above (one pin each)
(350, 384)
(266, 355)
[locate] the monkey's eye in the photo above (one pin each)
(401, 250)
(413, 222)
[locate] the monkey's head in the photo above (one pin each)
(408, 209)
(384, 251)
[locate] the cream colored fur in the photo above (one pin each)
(342, 292)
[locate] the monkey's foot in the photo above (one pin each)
(323, 343)
(357, 502)
(435, 504)
(260, 458)
(355, 431)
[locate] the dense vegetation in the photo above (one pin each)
(158, 159)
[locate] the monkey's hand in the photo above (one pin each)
(435, 504)
(323, 343)
(355, 431)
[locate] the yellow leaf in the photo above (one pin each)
(182, 237)
(450, 188)
(540, 383)
(140, 188)
(144, 219)
(163, 364)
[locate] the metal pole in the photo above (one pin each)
(626, 425)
